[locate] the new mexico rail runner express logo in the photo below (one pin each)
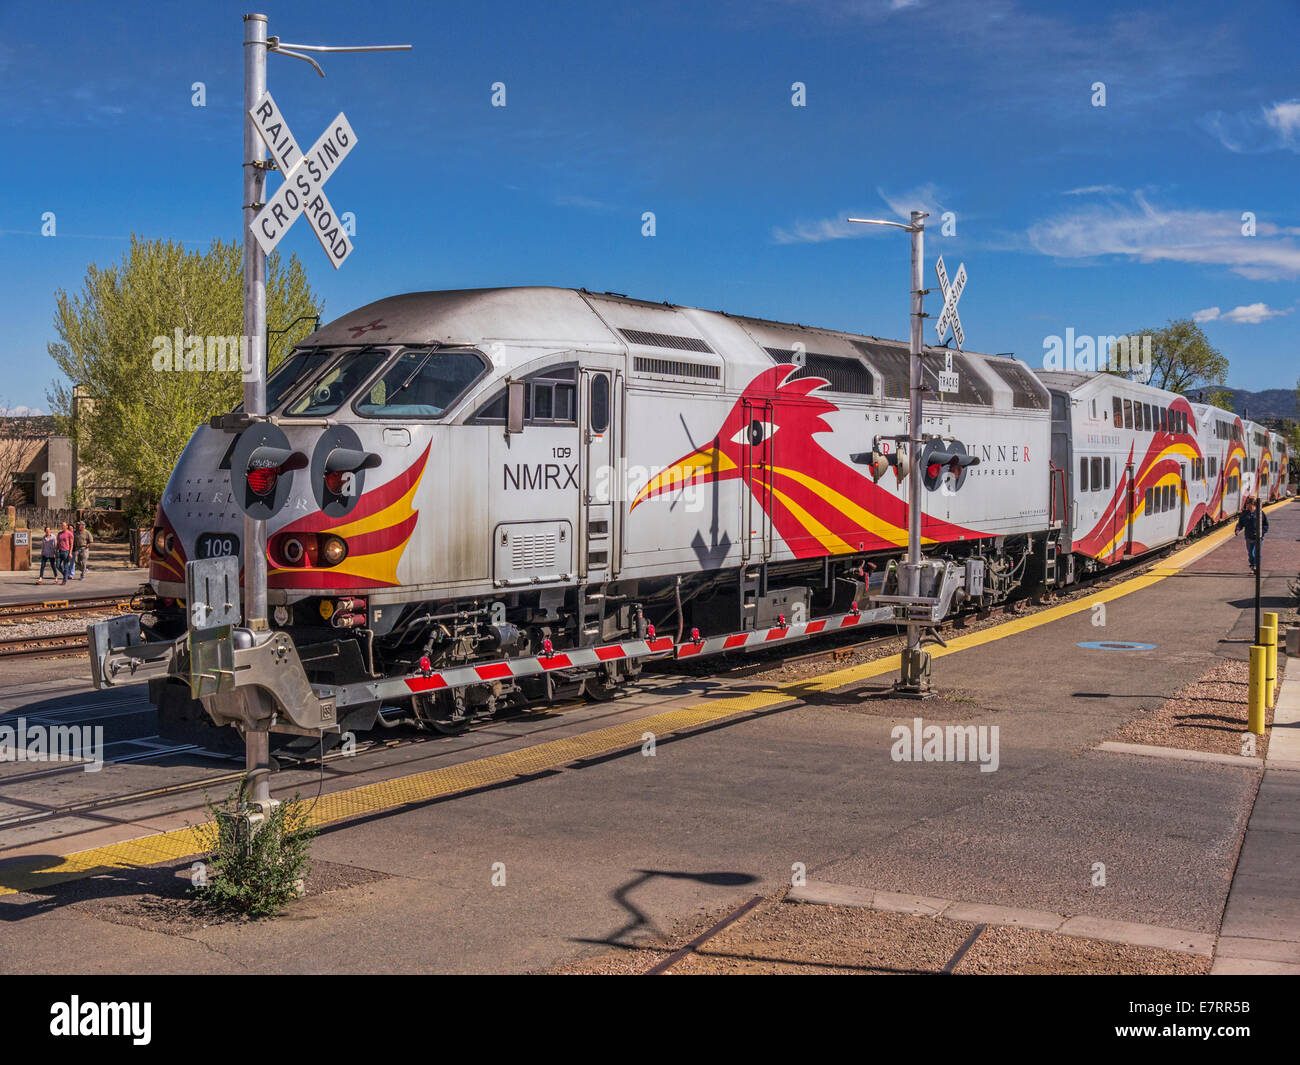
(817, 504)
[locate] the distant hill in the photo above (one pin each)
(1269, 403)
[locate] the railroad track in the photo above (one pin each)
(304, 762)
(52, 644)
(52, 608)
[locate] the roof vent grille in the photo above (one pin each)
(676, 368)
(665, 340)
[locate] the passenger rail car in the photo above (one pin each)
(1279, 466)
(502, 474)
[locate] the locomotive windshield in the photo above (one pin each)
(420, 383)
(338, 381)
(300, 366)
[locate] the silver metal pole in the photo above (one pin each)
(254, 303)
(914, 408)
(914, 439)
(257, 742)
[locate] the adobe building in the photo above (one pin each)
(41, 468)
(36, 465)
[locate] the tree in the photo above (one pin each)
(139, 400)
(1182, 358)
(1221, 398)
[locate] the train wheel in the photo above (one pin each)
(600, 689)
(611, 680)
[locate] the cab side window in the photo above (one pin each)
(550, 398)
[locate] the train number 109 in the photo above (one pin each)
(216, 545)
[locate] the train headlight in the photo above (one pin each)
(333, 550)
(163, 542)
(293, 550)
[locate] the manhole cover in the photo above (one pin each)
(1117, 645)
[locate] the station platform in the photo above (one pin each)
(528, 849)
(109, 572)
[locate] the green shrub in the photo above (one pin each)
(254, 874)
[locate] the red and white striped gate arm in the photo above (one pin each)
(550, 662)
(511, 668)
(737, 641)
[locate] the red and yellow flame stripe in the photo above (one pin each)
(377, 531)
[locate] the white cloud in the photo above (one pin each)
(1247, 314)
(1151, 234)
(1095, 190)
(21, 411)
(1264, 129)
(821, 229)
(921, 198)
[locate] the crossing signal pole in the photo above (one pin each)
(915, 679)
(255, 165)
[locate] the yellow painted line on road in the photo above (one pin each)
(39, 871)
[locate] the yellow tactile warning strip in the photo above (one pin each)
(42, 870)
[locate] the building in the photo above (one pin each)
(41, 470)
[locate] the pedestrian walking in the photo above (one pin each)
(81, 541)
(1254, 523)
(49, 549)
(63, 559)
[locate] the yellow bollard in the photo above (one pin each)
(1255, 706)
(1269, 617)
(1270, 665)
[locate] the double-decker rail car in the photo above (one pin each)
(1281, 470)
(1254, 478)
(1131, 464)
(1223, 441)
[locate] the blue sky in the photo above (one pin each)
(1105, 220)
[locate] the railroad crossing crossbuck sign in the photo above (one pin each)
(951, 294)
(302, 191)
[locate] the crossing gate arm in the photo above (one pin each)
(649, 648)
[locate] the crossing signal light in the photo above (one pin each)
(877, 462)
(342, 485)
(261, 466)
(338, 468)
(946, 459)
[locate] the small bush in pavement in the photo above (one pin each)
(254, 874)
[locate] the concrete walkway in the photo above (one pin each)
(1261, 924)
(109, 573)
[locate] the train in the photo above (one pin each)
(486, 499)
